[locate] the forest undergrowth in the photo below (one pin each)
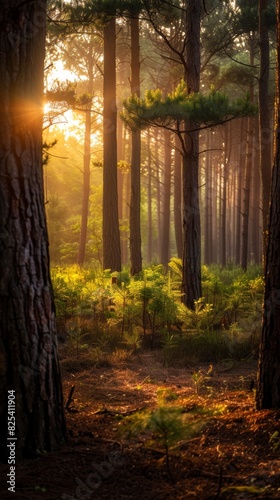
(103, 317)
(159, 400)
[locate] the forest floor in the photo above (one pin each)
(230, 457)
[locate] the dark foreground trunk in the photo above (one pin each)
(268, 390)
(28, 349)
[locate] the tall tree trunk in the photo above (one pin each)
(268, 388)
(224, 207)
(246, 198)
(239, 193)
(111, 232)
(256, 219)
(86, 190)
(28, 345)
(158, 189)
(265, 134)
(149, 201)
(135, 196)
(191, 282)
(123, 190)
(248, 170)
(208, 233)
(178, 198)
(126, 213)
(165, 242)
(229, 210)
(215, 202)
(87, 156)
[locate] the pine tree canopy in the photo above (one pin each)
(202, 110)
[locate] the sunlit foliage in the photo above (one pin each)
(203, 109)
(145, 311)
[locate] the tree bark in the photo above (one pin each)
(239, 193)
(86, 190)
(265, 135)
(158, 189)
(28, 344)
(208, 232)
(248, 170)
(224, 199)
(256, 245)
(165, 242)
(135, 196)
(111, 231)
(178, 198)
(87, 155)
(191, 282)
(268, 388)
(149, 201)
(247, 191)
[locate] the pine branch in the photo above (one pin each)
(201, 110)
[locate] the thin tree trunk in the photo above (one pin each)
(87, 156)
(246, 199)
(224, 211)
(111, 232)
(191, 226)
(149, 201)
(191, 282)
(158, 190)
(220, 206)
(234, 195)
(120, 177)
(215, 203)
(248, 171)
(256, 240)
(242, 152)
(135, 196)
(178, 198)
(265, 134)
(208, 244)
(165, 242)
(86, 190)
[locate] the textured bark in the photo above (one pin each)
(268, 389)
(239, 193)
(135, 196)
(256, 210)
(246, 195)
(165, 242)
(178, 198)
(86, 193)
(224, 207)
(111, 231)
(149, 201)
(86, 165)
(123, 199)
(248, 171)
(264, 117)
(191, 282)
(215, 203)
(208, 231)
(158, 188)
(28, 346)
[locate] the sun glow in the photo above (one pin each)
(57, 72)
(60, 115)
